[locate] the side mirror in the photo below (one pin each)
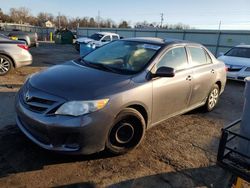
(164, 72)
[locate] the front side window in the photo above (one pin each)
(115, 37)
(124, 56)
(199, 56)
(175, 58)
(96, 36)
(239, 52)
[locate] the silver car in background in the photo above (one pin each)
(13, 54)
(237, 61)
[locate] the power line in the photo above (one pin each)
(98, 19)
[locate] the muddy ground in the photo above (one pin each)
(180, 152)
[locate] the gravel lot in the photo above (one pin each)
(181, 152)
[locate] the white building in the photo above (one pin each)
(48, 24)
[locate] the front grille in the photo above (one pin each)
(241, 77)
(37, 104)
(234, 69)
(38, 101)
(52, 136)
(38, 132)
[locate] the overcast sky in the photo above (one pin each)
(233, 14)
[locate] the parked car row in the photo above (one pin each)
(237, 61)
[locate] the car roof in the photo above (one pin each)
(160, 41)
(107, 33)
(243, 46)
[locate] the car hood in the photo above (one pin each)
(237, 61)
(85, 40)
(73, 81)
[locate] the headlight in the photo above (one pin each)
(91, 45)
(77, 108)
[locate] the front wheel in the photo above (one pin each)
(213, 98)
(127, 132)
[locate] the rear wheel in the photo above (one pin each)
(127, 132)
(5, 65)
(213, 98)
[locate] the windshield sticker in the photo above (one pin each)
(151, 46)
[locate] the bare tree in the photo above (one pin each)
(20, 15)
(63, 21)
(42, 17)
(124, 24)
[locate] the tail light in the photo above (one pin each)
(23, 46)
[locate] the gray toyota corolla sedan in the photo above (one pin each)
(110, 97)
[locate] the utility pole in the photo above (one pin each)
(219, 25)
(162, 18)
(59, 20)
(98, 19)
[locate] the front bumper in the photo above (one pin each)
(75, 135)
(23, 63)
(240, 76)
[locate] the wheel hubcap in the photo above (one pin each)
(124, 133)
(4, 65)
(213, 97)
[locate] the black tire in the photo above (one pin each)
(77, 47)
(127, 132)
(5, 64)
(212, 99)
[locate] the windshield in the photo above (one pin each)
(123, 56)
(96, 36)
(239, 52)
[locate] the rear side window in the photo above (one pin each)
(175, 58)
(114, 37)
(199, 56)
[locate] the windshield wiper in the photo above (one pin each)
(105, 67)
(100, 66)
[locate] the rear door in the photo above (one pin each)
(203, 74)
(171, 95)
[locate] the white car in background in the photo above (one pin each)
(97, 39)
(237, 61)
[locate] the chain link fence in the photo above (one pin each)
(215, 40)
(42, 32)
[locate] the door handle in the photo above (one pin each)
(212, 71)
(189, 78)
